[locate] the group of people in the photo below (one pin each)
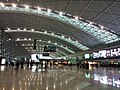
(16, 64)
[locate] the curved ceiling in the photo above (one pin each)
(45, 36)
(64, 19)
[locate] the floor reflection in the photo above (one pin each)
(108, 76)
(57, 78)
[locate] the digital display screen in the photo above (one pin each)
(39, 57)
(99, 54)
(50, 48)
(87, 56)
(35, 57)
(96, 55)
(115, 52)
(108, 53)
(3, 61)
(45, 54)
(102, 53)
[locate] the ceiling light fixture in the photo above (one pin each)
(49, 10)
(62, 36)
(76, 41)
(38, 8)
(102, 27)
(76, 17)
(9, 39)
(45, 31)
(18, 29)
(8, 28)
(32, 29)
(2, 4)
(14, 5)
(90, 23)
(55, 43)
(52, 33)
(25, 39)
(49, 41)
(26, 6)
(24, 29)
(60, 13)
(18, 39)
(29, 38)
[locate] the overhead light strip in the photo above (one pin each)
(61, 46)
(98, 31)
(68, 40)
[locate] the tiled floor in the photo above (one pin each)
(58, 78)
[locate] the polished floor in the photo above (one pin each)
(59, 78)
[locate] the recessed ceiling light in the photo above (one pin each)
(62, 36)
(52, 33)
(32, 29)
(55, 43)
(45, 31)
(102, 27)
(14, 5)
(29, 38)
(9, 39)
(24, 29)
(38, 8)
(76, 17)
(18, 38)
(2, 4)
(60, 13)
(25, 39)
(18, 29)
(26, 6)
(8, 28)
(90, 23)
(49, 10)
(76, 41)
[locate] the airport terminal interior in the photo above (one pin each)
(59, 44)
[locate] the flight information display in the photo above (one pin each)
(87, 56)
(108, 53)
(96, 55)
(50, 48)
(36, 57)
(114, 52)
(3, 61)
(102, 53)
